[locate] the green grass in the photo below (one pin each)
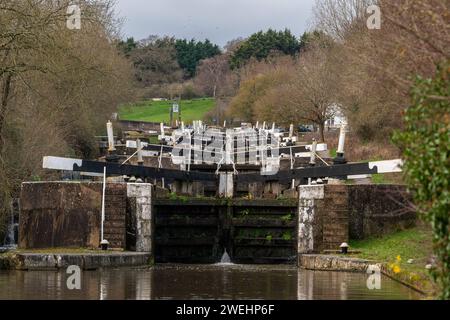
(378, 178)
(413, 244)
(333, 153)
(159, 111)
(409, 244)
(154, 140)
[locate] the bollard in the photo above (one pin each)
(340, 159)
(104, 244)
(344, 248)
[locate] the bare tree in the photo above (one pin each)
(339, 17)
(315, 89)
(378, 67)
(57, 86)
(211, 75)
(309, 95)
(245, 105)
(155, 61)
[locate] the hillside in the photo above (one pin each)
(159, 111)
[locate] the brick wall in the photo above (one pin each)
(115, 215)
(335, 216)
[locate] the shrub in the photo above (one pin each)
(425, 142)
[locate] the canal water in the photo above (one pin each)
(200, 282)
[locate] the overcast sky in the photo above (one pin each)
(217, 20)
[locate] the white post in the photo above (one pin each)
(103, 202)
(273, 127)
(228, 148)
(342, 134)
(312, 160)
(109, 130)
(182, 125)
(226, 184)
(226, 178)
(162, 128)
(257, 125)
(190, 151)
(264, 125)
(291, 131)
(139, 151)
(340, 158)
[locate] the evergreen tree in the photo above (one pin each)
(261, 44)
(189, 54)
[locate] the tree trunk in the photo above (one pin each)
(3, 106)
(322, 131)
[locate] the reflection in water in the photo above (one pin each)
(103, 285)
(200, 282)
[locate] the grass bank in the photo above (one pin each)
(159, 111)
(405, 255)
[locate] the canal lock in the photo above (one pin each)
(250, 231)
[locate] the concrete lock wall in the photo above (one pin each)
(332, 214)
(68, 214)
(140, 200)
(322, 217)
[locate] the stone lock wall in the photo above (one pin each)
(68, 214)
(375, 210)
(332, 214)
(322, 218)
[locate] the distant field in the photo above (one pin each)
(159, 111)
